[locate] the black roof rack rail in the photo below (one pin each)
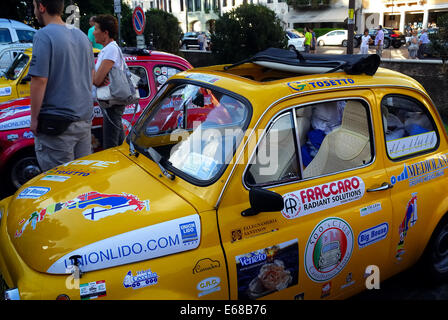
(136, 51)
(294, 61)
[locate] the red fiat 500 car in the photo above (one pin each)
(18, 162)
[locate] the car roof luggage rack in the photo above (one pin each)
(136, 51)
(296, 62)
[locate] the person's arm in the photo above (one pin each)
(37, 92)
(100, 76)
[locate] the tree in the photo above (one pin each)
(244, 31)
(128, 34)
(162, 30)
(439, 40)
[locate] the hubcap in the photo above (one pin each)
(24, 170)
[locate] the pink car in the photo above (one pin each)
(18, 162)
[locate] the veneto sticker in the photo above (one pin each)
(317, 198)
(267, 270)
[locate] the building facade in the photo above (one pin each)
(200, 15)
(402, 13)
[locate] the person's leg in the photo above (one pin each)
(83, 146)
(52, 151)
(113, 134)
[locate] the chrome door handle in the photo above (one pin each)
(383, 187)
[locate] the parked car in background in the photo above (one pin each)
(13, 31)
(18, 162)
(392, 37)
(190, 40)
(9, 51)
(295, 41)
(14, 80)
(333, 38)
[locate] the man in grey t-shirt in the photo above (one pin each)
(61, 88)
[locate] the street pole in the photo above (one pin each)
(186, 16)
(351, 26)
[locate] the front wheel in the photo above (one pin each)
(321, 43)
(386, 43)
(291, 48)
(344, 43)
(23, 169)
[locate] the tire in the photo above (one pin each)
(291, 48)
(396, 45)
(435, 259)
(23, 168)
(355, 43)
(321, 43)
(344, 43)
(386, 43)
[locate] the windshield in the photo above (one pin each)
(195, 129)
(17, 66)
(292, 35)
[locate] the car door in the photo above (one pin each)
(336, 211)
(331, 38)
(415, 166)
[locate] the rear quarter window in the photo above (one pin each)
(409, 128)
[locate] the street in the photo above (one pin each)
(389, 53)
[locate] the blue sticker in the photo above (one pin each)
(188, 232)
(33, 192)
(140, 280)
(372, 235)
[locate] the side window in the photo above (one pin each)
(408, 127)
(143, 84)
(5, 36)
(332, 137)
(25, 35)
(162, 73)
(276, 157)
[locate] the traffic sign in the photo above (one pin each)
(138, 20)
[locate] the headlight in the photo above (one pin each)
(12, 294)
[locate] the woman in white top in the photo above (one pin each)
(106, 30)
(365, 41)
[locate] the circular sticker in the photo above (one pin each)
(292, 206)
(329, 249)
(157, 71)
(162, 79)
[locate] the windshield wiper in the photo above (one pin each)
(157, 158)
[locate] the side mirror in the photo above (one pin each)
(262, 200)
(26, 79)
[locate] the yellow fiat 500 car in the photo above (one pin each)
(275, 178)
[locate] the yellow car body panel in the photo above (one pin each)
(216, 248)
(16, 88)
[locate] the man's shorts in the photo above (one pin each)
(73, 143)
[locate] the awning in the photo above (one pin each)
(317, 16)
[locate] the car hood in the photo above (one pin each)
(103, 208)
